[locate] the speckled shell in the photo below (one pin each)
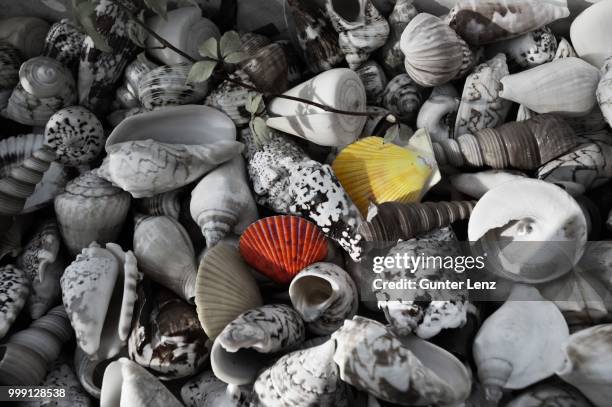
(40, 251)
(361, 29)
(90, 210)
(481, 106)
(316, 37)
(205, 390)
(268, 69)
(166, 336)
(549, 394)
(324, 295)
(403, 97)
(44, 87)
(10, 61)
(392, 57)
(529, 50)
(167, 86)
(75, 134)
(408, 372)
(62, 376)
(231, 98)
(47, 293)
(374, 81)
(244, 345)
(305, 377)
(434, 53)
(27, 34)
(99, 292)
(63, 43)
(166, 204)
(483, 22)
(14, 290)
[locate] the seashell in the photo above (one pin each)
(116, 117)
(479, 183)
(166, 336)
(245, 344)
(549, 394)
(205, 390)
(134, 72)
(47, 293)
(175, 268)
(62, 376)
(27, 354)
(392, 57)
(301, 378)
(316, 38)
(27, 34)
(268, 69)
(374, 172)
(338, 88)
(565, 50)
(534, 48)
(403, 97)
(14, 150)
(280, 246)
(542, 215)
(324, 295)
(167, 86)
(522, 145)
(99, 292)
(44, 87)
(126, 99)
(20, 183)
(392, 221)
(90, 210)
(14, 290)
(126, 384)
(10, 61)
(252, 42)
(520, 344)
(166, 204)
(586, 354)
(100, 71)
(434, 53)
(592, 48)
(63, 43)
(89, 372)
(481, 105)
(75, 134)
(222, 202)
(145, 168)
(374, 81)
(361, 29)
(565, 86)
(407, 372)
(491, 21)
(185, 28)
(604, 91)
(231, 98)
(438, 114)
(225, 288)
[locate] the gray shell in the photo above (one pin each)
(374, 81)
(167, 86)
(392, 57)
(62, 376)
(529, 50)
(403, 97)
(14, 290)
(10, 60)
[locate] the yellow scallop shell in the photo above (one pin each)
(372, 171)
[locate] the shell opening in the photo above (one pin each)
(239, 367)
(311, 293)
(348, 10)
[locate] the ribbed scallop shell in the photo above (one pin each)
(280, 246)
(14, 290)
(63, 43)
(268, 69)
(374, 172)
(166, 86)
(434, 53)
(225, 288)
(403, 97)
(76, 135)
(10, 61)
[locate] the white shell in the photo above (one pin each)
(479, 183)
(604, 91)
(438, 113)
(167, 86)
(595, 19)
(185, 28)
(339, 88)
(27, 34)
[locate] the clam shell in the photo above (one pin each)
(593, 48)
(490, 21)
(14, 290)
(225, 288)
(184, 28)
(90, 210)
(434, 53)
(542, 228)
(75, 134)
(167, 86)
(63, 43)
(27, 34)
(374, 172)
(10, 61)
(403, 97)
(280, 246)
(529, 50)
(565, 86)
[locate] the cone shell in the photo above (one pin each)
(14, 290)
(167, 86)
(403, 97)
(280, 246)
(565, 86)
(10, 61)
(63, 43)
(372, 171)
(90, 209)
(594, 19)
(434, 53)
(225, 288)
(490, 21)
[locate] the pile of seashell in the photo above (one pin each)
(154, 251)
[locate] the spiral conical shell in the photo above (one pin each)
(63, 43)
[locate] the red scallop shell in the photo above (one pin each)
(279, 247)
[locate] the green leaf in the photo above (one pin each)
(261, 129)
(391, 134)
(201, 71)
(159, 7)
(209, 48)
(230, 43)
(234, 57)
(250, 105)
